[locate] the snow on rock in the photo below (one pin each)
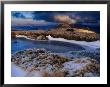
(72, 67)
(23, 36)
(89, 74)
(39, 62)
(81, 67)
(34, 74)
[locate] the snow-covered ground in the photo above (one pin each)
(93, 44)
(19, 72)
(72, 67)
(23, 36)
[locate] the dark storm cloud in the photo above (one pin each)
(17, 14)
(49, 16)
(82, 15)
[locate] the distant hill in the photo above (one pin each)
(62, 31)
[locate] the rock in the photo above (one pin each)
(29, 52)
(64, 25)
(42, 37)
(89, 74)
(13, 35)
(70, 29)
(13, 59)
(94, 54)
(41, 50)
(78, 67)
(64, 30)
(50, 64)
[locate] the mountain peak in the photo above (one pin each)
(65, 25)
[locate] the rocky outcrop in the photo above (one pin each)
(13, 35)
(74, 34)
(42, 37)
(94, 54)
(54, 65)
(65, 31)
(64, 26)
(32, 34)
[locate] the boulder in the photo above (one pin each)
(42, 37)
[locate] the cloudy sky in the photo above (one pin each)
(52, 17)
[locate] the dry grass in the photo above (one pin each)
(56, 73)
(45, 74)
(84, 31)
(88, 68)
(80, 61)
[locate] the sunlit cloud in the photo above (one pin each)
(64, 19)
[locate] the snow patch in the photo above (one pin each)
(19, 72)
(71, 66)
(93, 44)
(23, 36)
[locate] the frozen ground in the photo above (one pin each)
(94, 44)
(19, 72)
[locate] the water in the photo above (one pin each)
(53, 46)
(29, 27)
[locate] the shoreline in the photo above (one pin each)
(23, 36)
(93, 44)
